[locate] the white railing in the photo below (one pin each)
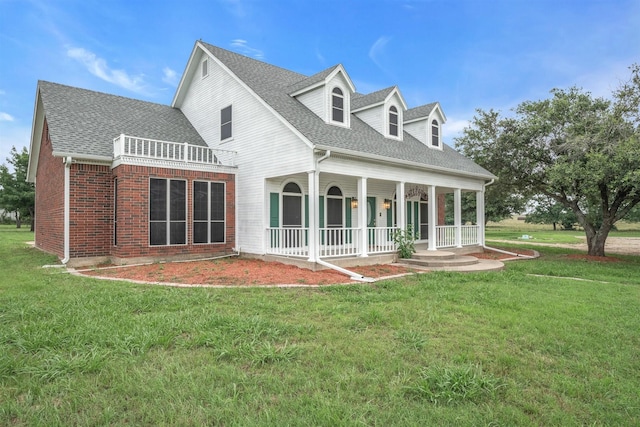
(339, 242)
(125, 145)
(380, 239)
(445, 236)
(469, 235)
(288, 241)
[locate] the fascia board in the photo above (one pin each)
(36, 137)
(80, 156)
(397, 92)
(186, 76)
(368, 107)
(340, 69)
(308, 88)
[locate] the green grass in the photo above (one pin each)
(505, 348)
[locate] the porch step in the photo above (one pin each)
(450, 261)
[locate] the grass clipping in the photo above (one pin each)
(450, 385)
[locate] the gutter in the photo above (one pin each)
(67, 179)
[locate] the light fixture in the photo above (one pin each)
(386, 204)
(354, 202)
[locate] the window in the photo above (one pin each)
(225, 123)
(167, 212)
(435, 133)
(393, 121)
(205, 68)
(337, 105)
(208, 212)
(291, 205)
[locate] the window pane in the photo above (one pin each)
(200, 201)
(292, 211)
(334, 212)
(158, 199)
(292, 187)
(338, 115)
(393, 118)
(178, 230)
(393, 129)
(178, 200)
(217, 232)
(200, 232)
(334, 191)
(225, 115)
(217, 201)
(158, 233)
(338, 102)
(225, 131)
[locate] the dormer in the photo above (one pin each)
(425, 124)
(328, 94)
(382, 110)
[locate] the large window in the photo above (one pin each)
(167, 212)
(208, 212)
(225, 123)
(435, 133)
(337, 105)
(393, 121)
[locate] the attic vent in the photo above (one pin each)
(205, 68)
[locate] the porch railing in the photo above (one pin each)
(288, 241)
(380, 239)
(340, 242)
(132, 146)
(446, 235)
(469, 235)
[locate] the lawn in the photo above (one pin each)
(526, 346)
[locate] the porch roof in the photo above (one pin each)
(273, 84)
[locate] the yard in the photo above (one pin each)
(552, 341)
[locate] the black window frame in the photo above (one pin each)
(226, 123)
(215, 209)
(170, 215)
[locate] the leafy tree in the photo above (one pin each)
(582, 152)
(549, 211)
(503, 198)
(16, 194)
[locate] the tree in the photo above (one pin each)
(16, 194)
(582, 152)
(549, 211)
(502, 198)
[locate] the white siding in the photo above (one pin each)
(374, 117)
(315, 101)
(418, 130)
(265, 146)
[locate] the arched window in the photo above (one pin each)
(393, 121)
(337, 105)
(435, 133)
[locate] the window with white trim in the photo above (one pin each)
(205, 68)
(337, 105)
(167, 212)
(393, 121)
(435, 134)
(208, 212)
(225, 123)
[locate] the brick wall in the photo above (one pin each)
(133, 212)
(49, 200)
(90, 210)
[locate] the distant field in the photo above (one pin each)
(514, 229)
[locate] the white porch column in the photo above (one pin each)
(480, 216)
(432, 216)
(362, 216)
(314, 216)
(401, 206)
(457, 215)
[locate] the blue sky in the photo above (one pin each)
(466, 54)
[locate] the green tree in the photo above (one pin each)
(582, 152)
(16, 194)
(549, 211)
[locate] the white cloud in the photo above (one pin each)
(170, 77)
(236, 7)
(5, 117)
(243, 47)
(454, 127)
(99, 68)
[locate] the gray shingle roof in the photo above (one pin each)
(420, 112)
(273, 85)
(310, 81)
(358, 100)
(85, 122)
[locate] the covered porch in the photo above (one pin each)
(331, 216)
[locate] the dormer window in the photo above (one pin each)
(337, 105)
(435, 133)
(393, 121)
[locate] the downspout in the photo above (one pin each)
(353, 275)
(67, 179)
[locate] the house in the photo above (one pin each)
(248, 158)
